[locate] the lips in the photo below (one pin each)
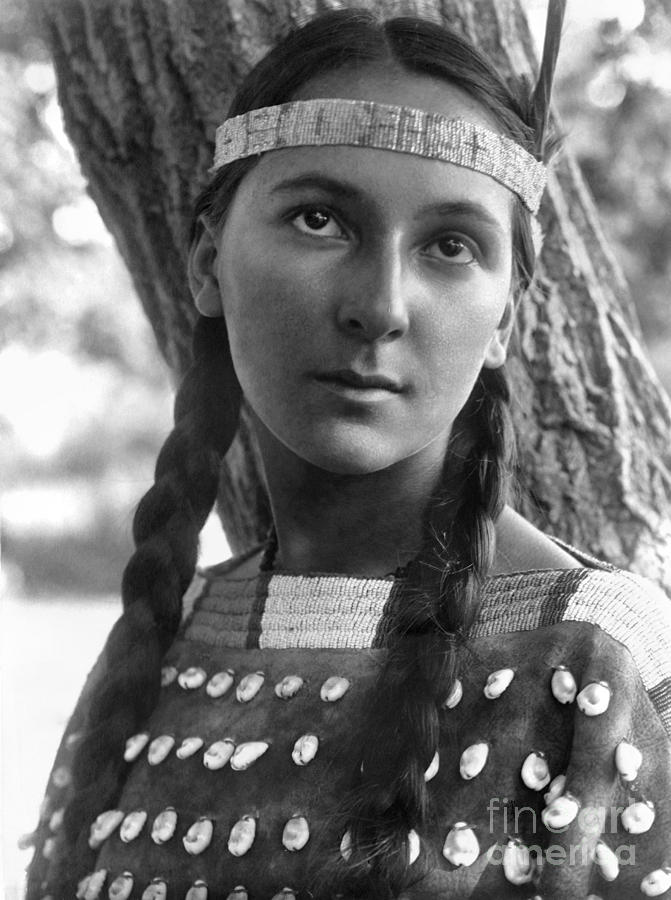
(350, 378)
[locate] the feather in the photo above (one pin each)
(540, 101)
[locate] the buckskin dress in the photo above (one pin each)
(552, 778)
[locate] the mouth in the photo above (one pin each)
(352, 379)
(357, 386)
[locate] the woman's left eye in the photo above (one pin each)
(317, 222)
(451, 250)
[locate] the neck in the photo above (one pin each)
(352, 524)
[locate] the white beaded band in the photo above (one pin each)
(363, 123)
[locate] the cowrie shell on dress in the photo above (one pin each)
(89, 888)
(61, 777)
(249, 686)
(628, 760)
(26, 841)
(638, 817)
(288, 687)
(72, 739)
(220, 683)
(188, 747)
(242, 836)
(56, 819)
(48, 848)
(199, 836)
(121, 887)
(557, 786)
(535, 772)
(455, 694)
(606, 861)
(473, 760)
(197, 891)
(594, 698)
(334, 688)
(168, 675)
(103, 826)
(247, 753)
(132, 825)
(296, 833)
(497, 683)
(461, 847)
(156, 890)
(346, 846)
(434, 765)
(561, 811)
(192, 678)
(164, 825)
(305, 749)
(218, 754)
(656, 883)
(518, 864)
(159, 748)
(563, 685)
(285, 894)
(135, 745)
(413, 847)
(238, 893)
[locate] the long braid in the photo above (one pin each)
(165, 529)
(441, 602)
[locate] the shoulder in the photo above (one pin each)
(244, 565)
(607, 613)
(521, 547)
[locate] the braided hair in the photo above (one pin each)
(444, 583)
(424, 636)
(166, 526)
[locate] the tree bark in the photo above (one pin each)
(144, 84)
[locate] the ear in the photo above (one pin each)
(203, 283)
(497, 349)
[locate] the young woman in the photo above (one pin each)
(410, 691)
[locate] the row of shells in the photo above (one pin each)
(535, 773)
(332, 689)
(518, 867)
(121, 887)
(295, 834)
(593, 699)
(219, 753)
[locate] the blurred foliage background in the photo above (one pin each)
(84, 395)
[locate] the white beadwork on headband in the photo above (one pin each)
(363, 123)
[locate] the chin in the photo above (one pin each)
(352, 462)
(349, 453)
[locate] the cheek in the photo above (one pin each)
(271, 317)
(458, 333)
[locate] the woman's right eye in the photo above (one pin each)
(317, 222)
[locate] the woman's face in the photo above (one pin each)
(363, 290)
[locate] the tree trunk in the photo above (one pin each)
(143, 85)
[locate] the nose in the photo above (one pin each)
(374, 296)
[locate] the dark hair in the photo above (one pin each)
(444, 582)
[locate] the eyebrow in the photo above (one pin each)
(462, 208)
(347, 191)
(317, 180)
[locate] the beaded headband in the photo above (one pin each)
(363, 123)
